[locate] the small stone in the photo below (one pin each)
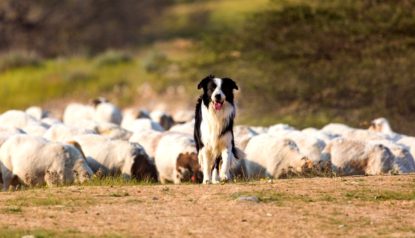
(248, 198)
(269, 215)
(341, 226)
(155, 198)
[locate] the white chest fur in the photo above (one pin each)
(212, 125)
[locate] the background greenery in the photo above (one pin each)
(305, 63)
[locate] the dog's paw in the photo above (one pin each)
(206, 182)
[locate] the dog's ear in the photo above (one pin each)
(205, 81)
(231, 83)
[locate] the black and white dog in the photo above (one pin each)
(213, 133)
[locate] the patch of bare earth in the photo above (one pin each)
(381, 206)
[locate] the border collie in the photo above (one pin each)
(213, 133)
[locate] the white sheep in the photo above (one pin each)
(164, 119)
(6, 132)
(143, 124)
(75, 113)
(17, 119)
(37, 112)
(63, 133)
(268, 156)
(149, 139)
(183, 115)
(381, 125)
(116, 157)
(106, 111)
(243, 135)
(336, 129)
(403, 160)
(31, 161)
(354, 157)
(187, 127)
(176, 158)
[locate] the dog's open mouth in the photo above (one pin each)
(218, 105)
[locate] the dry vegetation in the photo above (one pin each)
(318, 207)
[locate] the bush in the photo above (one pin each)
(112, 57)
(17, 59)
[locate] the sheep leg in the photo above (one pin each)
(7, 177)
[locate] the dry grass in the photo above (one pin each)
(316, 207)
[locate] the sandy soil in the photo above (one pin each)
(313, 207)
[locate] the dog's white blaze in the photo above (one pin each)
(218, 89)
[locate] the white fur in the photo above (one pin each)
(110, 157)
(63, 133)
(17, 119)
(269, 156)
(243, 135)
(149, 139)
(108, 112)
(143, 124)
(75, 113)
(187, 127)
(169, 147)
(35, 161)
(353, 157)
(36, 112)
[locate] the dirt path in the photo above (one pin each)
(317, 207)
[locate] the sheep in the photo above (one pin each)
(364, 135)
(149, 139)
(63, 133)
(318, 134)
(35, 130)
(403, 160)
(143, 124)
(164, 119)
(182, 116)
(242, 135)
(309, 146)
(17, 119)
(116, 157)
(268, 156)
(6, 132)
(381, 125)
(31, 161)
(112, 131)
(259, 129)
(353, 157)
(176, 158)
(280, 127)
(75, 113)
(37, 112)
(336, 129)
(49, 121)
(106, 111)
(187, 127)
(130, 114)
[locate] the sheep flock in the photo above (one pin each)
(100, 140)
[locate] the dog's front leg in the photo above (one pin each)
(224, 174)
(204, 162)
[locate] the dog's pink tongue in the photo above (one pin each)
(218, 106)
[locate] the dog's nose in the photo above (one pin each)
(218, 97)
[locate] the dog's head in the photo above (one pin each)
(217, 91)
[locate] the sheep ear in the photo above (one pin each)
(231, 83)
(205, 81)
